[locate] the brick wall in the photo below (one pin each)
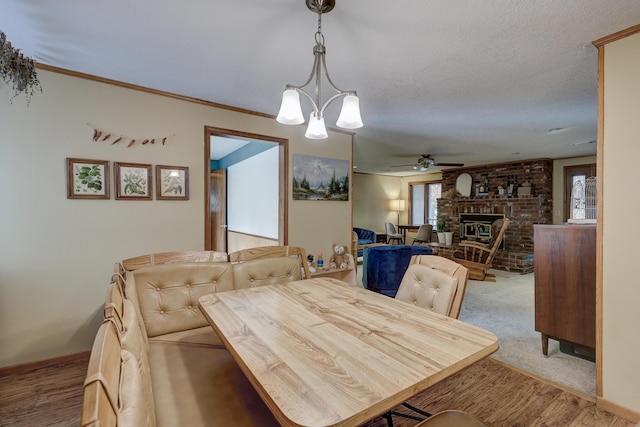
(523, 211)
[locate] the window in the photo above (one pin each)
(423, 202)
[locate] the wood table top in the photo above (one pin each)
(322, 352)
(408, 227)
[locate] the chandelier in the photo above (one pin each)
(290, 110)
(18, 70)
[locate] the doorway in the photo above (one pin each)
(218, 192)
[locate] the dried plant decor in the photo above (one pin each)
(18, 70)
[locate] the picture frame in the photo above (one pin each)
(133, 181)
(172, 182)
(320, 178)
(88, 179)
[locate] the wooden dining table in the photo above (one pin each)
(322, 352)
(403, 228)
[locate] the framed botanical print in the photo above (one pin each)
(133, 181)
(87, 179)
(172, 182)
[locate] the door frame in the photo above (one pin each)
(283, 156)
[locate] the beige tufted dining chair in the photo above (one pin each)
(434, 283)
(438, 284)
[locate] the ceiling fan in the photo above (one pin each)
(424, 161)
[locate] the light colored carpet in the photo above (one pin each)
(506, 307)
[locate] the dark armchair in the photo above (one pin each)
(365, 237)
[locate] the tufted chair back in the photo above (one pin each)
(168, 294)
(264, 271)
(428, 288)
(451, 268)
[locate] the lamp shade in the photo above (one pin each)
(290, 111)
(350, 113)
(397, 205)
(316, 128)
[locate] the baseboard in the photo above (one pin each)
(546, 381)
(32, 366)
(619, 410)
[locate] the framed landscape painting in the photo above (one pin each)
(87, 179)
(133, 181)
(320, 178)
(172, 182)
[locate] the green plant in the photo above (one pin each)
(441, 225)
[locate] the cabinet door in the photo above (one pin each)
(565, 270)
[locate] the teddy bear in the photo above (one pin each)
(339, 259)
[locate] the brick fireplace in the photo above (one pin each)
(516, 253)
(477, 226)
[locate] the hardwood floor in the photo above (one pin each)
(46, 396)
(501, 395)
(507, 397)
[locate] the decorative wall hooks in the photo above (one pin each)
(115, 138)
(18, 70)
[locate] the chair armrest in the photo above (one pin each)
(364, 234)
(474, 245)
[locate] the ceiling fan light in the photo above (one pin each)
(316, 128)
(290, 111)
(350, 113)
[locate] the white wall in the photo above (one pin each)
(57, 254)
(621, 286)
(254, 183)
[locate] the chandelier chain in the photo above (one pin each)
(319, 36)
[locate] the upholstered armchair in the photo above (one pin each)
(384, 265)
(365, 237)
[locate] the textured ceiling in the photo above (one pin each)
(466, 81)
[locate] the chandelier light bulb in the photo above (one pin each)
(350, 113)
(316, 128)
(290, 111)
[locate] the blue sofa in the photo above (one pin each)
(365, 237)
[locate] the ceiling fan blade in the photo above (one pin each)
(402, 166)
(447, 164)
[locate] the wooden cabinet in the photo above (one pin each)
(381, 237)
(565, 284)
